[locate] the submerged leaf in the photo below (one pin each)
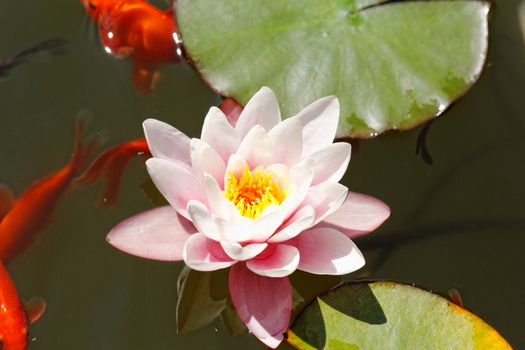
(231, 320)
(397, 316)
(202, 297)
(392, 65)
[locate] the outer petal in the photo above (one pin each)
(158, 234)
(177, 184)
(319, 120)
(203, 254)
(281, 262)
(264, 304)
(325, 198)
(331, 162)
(256, 148)
(327, 251)
(219, 134)
(241, 253)
(262, 109)
(358, 215)
(287, 142)
(166, 142)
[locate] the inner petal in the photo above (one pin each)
(253, 191)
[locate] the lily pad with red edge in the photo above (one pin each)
(389, 315)
(392, 65)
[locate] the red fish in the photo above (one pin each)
(15, 318)
(112, 162)
(138, 29)
(24, 217)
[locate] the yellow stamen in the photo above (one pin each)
(253, 192)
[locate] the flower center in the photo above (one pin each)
(253, 192)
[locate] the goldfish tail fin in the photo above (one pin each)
(82, 149)
(110, 165)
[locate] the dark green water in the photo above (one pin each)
(465, 214)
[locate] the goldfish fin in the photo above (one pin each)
(34, 309)
(7, 200)
(455, 297)
(146, 76)
(82, 149)
(111, 165)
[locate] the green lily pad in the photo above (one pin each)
(388, 315)
(392, 65)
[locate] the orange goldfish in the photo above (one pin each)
(137, 29)
(15, 318)
(28, 214)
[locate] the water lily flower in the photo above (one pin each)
(259, 195)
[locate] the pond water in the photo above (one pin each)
(459, 222)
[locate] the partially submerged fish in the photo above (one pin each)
(31, 212)
(137, 29)
(15, 317)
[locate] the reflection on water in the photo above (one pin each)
(458, 222)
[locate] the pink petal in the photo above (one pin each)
(219, 134)
(265, 225)
(219, 205)
(300, 221)
(327, 251)
(158, 234)
(301, 179)
(319, 120)
(282, 262)
(262, 109)
(205, 160)
(256, 148)
(358, 215)
(203, 254)
(166, 142)
(236, 166)
(325, 198)
(177, 184)
(264, 304)
(204, 221)
(287, 142)
(241, 253)
(331, 162)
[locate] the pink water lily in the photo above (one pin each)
(261, 196)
